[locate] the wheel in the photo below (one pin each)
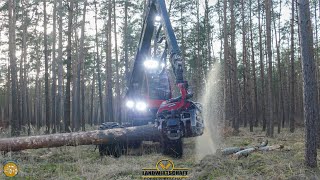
(114, 150)
(110, 149)
(135, 144)
(117, 150)
(173, 148)
(102, 149)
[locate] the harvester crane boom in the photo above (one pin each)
(156, 8)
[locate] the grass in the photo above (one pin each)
(83, 162)
(287, 163)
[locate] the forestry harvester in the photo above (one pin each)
(151, 112)
(149, 95)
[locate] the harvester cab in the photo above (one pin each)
(142, 102)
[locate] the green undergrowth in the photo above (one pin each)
(84, 162)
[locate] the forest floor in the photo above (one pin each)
(83, 162)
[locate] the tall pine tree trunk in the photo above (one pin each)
(15, 130)
(253, 62)
(280, 70)
(109, 82)
(79, 68)
(292, 79)
(54, 76)
(102, 119)
(227, 90)
(93, 84)
(268, 4)
(25, 110)
(117, 83)
(67, 108)
(245, 100)
(261, 70)
(234, 71)
(126, 61)
(310, 90)
(46, 59)
(59, 125)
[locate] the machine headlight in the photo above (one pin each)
(157, 18)
(151, 64)
(130, 104)
(141, 106)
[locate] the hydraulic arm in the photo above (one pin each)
(156, 9)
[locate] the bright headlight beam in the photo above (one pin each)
(157, 18)
(151, 64)
(130, 104)
(141, 106)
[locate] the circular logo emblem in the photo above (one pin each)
(165, 165)
(10, 169)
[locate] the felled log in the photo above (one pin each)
(232, 150)
(271, 148)
(246, 152)
(109, 136)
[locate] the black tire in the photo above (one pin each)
(114, 150)
(173, 148)
(117, 150)
(135, 144)
(102, 149)
(110, 149)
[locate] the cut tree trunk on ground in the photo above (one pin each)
(247, 152)
(109, 136)
(232, 150)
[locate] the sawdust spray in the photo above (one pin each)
(212, 104)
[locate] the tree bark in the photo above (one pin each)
(269, 53)
(234, 71)
(126, 61)
(67, 108)
(60, 72)
(75, 108)
(98, 65)
(25, 110)
(54, 76)
(15, 130)
(109, 136)
(117, 83)
(208, 32)
(79, 68)
(280, 70)
(261, 70)
(109, 81)
(227, 90)
(245, 97)
(292, 79)
(310, 90)
(253, 62)
(47, 100)
(93, 84)
(23, 75)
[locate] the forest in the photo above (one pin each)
(65, 66)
